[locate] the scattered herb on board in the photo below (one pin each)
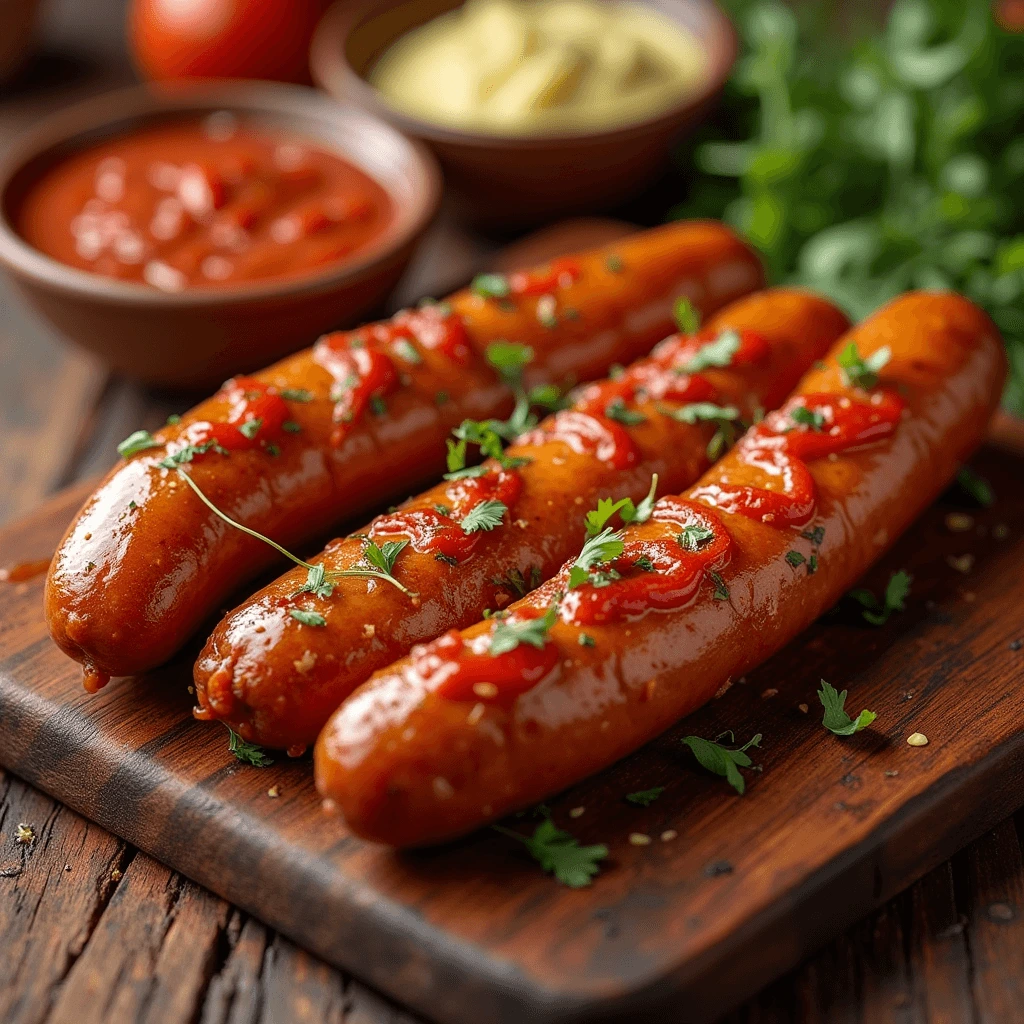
(836, 719)
(721, 760)
(977, 487)
(248, 753)
(893, 600)
(560, 853)
(645, 797)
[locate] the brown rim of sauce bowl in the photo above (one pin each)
(198, 337)
(521, 180)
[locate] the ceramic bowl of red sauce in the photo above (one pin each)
(188, 233)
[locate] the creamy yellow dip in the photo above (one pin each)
(514, 67)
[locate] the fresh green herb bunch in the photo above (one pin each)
(866, 162)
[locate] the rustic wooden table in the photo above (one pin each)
(93, 930)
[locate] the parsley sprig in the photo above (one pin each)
(861, 372)
(247, 753)
(137, 442)
(484, 516)
(509, 633)
(893, 600)
(714, 354)
(836, 719)
(597, 519)
(560, 853)
(721, 760)
(319, 581)
(645, 797)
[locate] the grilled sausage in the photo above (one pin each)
(275, 679)
(355, 421)
(598, 661)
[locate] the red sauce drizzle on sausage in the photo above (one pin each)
(560, 273)
(461, 671)
(780, 446)
(250, 400)
(437, 531)
(362, 362)
(663, 572)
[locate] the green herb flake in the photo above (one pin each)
(296, 395)
(836, 719)
(686, 316)
(721, 590)
(307, 618)
(721, 760)
(862, 373)
(560, 853)
(487, 515)
(876, 612)
(173, 420)
(509, 634)
(617, 410)
(614, 264)
(714, 354)
(645, 797)
(795, 559)
(137, 442)
(695, 536)
(586, 640)
(977, 487)
(378, 406)
(247, 753)
(490, 286)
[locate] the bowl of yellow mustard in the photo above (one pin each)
(536, 108)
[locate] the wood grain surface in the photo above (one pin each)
(829, 828)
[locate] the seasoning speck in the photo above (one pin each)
(274, 792)
(485, 690)
(116, 874)
(668, 835)
(577, 812)
(959, 522)
(1001, 912)
(24, 834)
(891, 774)
(1000, 531)
(917, 739)
(803, 708)
(770, 692)
(962, 563)
(717, 868)
(1016, 645)
(639, 839)
(369, 630)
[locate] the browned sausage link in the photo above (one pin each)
(276, 680)
(144, 562)
(408, 763)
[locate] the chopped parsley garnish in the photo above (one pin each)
(485, 516)
(815, 536)
(296, 394)
(715, 353)
(617, 410)
(795, 559)
(810, 418)
(724, 761)
(516, 582)
(977, 487)
(247, 753)
(597, 519)
(447, 559)
(490, 286)
(442, 398)
(509, 358)
(509, 634)
(597, 550)
(695, 536)
(721, 590)
(836, 719)
(896, 592)
(250, 428)
(406, 350)
(138, 442)
(698, 411)
(378, 406)
(686, 316)
(812, 565)
(307, 618)
(560, 853)
(173, 420)
(291, 427)
(645, 797)
(586, 640)
(644, 564)
(614, 264)
(316, 583)
(862, 373)
(188, 453)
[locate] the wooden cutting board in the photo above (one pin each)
(679, 929)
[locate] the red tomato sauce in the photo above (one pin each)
(436, 529)
(257, 418)
(203, 204)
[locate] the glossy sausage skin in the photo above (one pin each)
(276, 681)
(144, 562)
(407, 766)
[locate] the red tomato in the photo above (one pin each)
(223, 38)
